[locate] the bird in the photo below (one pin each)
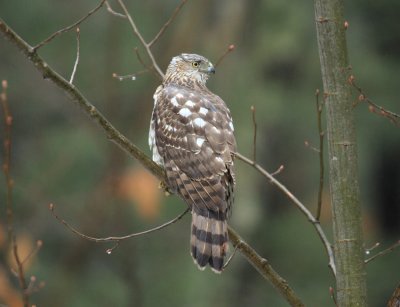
(192, 137)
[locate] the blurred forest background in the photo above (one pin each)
(61, 157)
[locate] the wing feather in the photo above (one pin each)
(194, 131)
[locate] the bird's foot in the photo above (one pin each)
(163, 186)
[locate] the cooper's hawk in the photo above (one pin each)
(191, 135)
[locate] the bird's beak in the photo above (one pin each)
(211, 69)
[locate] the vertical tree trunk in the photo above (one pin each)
(342, 147)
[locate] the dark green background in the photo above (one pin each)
(60, 157)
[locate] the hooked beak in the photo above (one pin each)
(211, 69)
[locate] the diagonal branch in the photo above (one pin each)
(66, 29)
(384, 252)
(141, 39)
(114, 135)
(392, 116)
(299, 205)
(111, 132)
(165, 26)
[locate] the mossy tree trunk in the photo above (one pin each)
(342, 148)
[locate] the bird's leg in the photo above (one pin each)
(163, 185)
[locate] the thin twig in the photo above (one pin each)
(148, 68)
(9, 188)
(33, 287)
(321, 155)
(76, 96)
(165, 26)
(132, 77)
(253, 112)
(141, 39)
(66, 29)
(393, 117)
(118, 138)
(110, 10)
(278, 171)
(370, 249)
(77, 56)
(230, 258)
(114, 238)
(38, 246)
(299, 205)
(384, 252)
(222, 57)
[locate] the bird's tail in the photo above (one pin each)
(209, 239)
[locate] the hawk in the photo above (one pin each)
(191, 136)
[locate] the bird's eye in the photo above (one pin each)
(195, 64)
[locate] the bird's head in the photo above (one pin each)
(189, 68)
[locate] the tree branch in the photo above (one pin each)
(299, 205)
(77, 56)
(9, 188)
(393, 117)
(384, 252)
(165, 26)
(114, 135)
(114, 238)
(141, 39)
(70, 27)
(111, 132)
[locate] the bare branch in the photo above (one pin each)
(141, 39)
(321, 155)
(117, 137)
(110, 10)
(66, 29)
(38, 246)
(253, 112)
(222, 57)
(228, 261)
(384, 252)
(299, 205)
(132, 77)
(77, 56)
(9, 187)
(278, 171)
(34, 287)
(393, 117)
(115, 238)
(165, 26)
(111, 132)
(148, 68)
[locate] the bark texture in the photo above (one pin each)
(342, 148)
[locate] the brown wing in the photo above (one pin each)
(194, 135)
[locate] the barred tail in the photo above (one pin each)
(209, 239)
